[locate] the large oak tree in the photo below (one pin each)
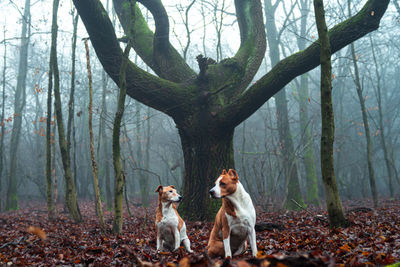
(207, 106)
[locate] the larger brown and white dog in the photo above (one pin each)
(171, 229)
(235, 219)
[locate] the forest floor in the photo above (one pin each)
(302, 238)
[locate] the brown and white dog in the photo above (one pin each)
(235, 219)
(171, 229)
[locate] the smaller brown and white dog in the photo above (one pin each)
(171, 229)
(235, 219)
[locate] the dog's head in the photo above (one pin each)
(168, 194)
(225, 185)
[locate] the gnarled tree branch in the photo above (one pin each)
(151, 90)
(364, 22)
(155, 48)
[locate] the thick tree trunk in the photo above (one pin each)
(180, 94)
(205, 156)
(333, 203)
(19, 103)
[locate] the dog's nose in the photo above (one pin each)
(211, 192)
(180, 198)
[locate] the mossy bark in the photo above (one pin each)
(205, 156)
(19, 104)
(119, 175)
(96, 189)
(220, 93)
(333, 203)
(70, 190)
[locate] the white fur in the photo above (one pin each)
(217, 189)
(166, 239)
(242, 226)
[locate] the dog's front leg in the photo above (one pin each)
(159, 241)
(253, 242)
(227, 247)
(226, 235)
(177, 239)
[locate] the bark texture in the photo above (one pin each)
(70, 190)
(96, 189)
(19, 104)
(333, 203)
(209, 106)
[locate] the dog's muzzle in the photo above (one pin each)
(212, 193)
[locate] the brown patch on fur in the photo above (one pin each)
(228, 185)
(162, 197)
(180, 223)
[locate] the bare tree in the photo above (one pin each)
(207, 107)
(19, 104)
(70, 194)
(96, 189)
(361, 99)
(333, 203)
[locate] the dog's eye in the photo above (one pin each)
(170, 191)
(222, 184)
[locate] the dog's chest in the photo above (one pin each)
(169, 219)
(241, 224)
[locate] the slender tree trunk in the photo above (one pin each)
(71, 103)
(333, 203)
(54, 170)
(2, 125)
(308, 155)
(144, 185)
(96, 189)
(70, 190)
(285, 138)
(119, 175)
(382, 133)
(107, 178)
(361, 99)
(19, 103)
(49, 183)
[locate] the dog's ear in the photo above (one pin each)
(172, 186)
(223, 171)
(233, 173)
(159, 188)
